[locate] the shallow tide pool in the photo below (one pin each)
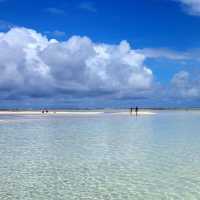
(100, 157)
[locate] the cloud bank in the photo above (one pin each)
(33, 66)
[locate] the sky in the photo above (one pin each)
(99, 54)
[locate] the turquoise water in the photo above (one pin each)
(100, 157)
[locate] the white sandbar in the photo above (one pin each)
(74, 113)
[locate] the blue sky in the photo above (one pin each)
(146, 23)
(103, 53)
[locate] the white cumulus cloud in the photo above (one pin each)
(33, 66)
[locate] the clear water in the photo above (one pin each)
(100, 157)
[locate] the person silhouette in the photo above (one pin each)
(131, 110)
(136, 111)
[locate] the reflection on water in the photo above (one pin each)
(100, 157)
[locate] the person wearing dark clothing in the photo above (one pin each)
(136, 111)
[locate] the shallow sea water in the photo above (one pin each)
(100, 157)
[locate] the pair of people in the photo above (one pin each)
(136, 111)
(45, 111)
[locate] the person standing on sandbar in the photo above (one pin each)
(136, 111)
(131, 111)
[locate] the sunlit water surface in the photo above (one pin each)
(100, 157)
